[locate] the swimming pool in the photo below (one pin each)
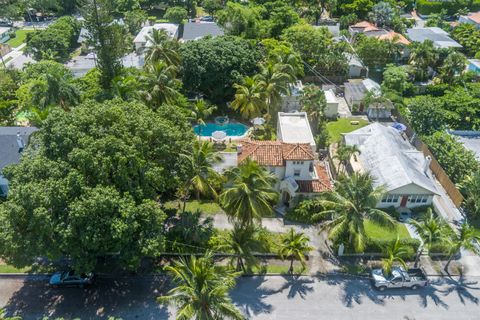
(232, 129)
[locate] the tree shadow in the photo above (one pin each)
(296, 285)
(462, 288)
(355, 290)
(123, 298)
(249, 294)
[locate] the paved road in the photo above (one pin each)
(258, 297)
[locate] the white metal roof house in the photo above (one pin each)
(394, 164)
(141, 40)
(439, 37)
(295, 128)
(356, 90)
(331, 111)
(13, 141)
(469, 139)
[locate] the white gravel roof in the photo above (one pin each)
(295, 128)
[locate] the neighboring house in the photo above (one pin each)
(394, 164)
(199, 29)
(141, 40)
(295, 128)
(357, 89)
(380, 110)
(80, 65)
(356, 68)
(292, 163)
(472, 18)
(13, 141)
(4, 34)
(371, 30)
(332, 26)
(469, 139)
(292, 102)
(438, 36)
(331, 110)
(474, 65)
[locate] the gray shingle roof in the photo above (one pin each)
(439, 37)
(197, 30)
(391, 160)
(9, 144)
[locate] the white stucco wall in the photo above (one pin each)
(305, 173)
(411, 191)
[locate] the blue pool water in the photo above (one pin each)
(232, 129)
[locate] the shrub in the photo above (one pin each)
(427, 7)
(304, 211)
(440, 248)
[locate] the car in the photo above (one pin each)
(207, 18)
(71, 279)
(399, 278)
(404, 217)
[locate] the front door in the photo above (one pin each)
(403, 203)
(286, 198)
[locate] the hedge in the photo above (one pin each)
(376, 247)
(426, 7)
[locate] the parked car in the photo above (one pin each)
(400, 278)
(207, 18)
(71, 279)
(404, 217)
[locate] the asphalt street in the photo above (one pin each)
(274, 297)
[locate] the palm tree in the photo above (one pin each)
(394, 252)
(465, 239)
(453, 65)
(162, 48)
(249, 194)
(344, 154)
(423, 56)
(273, 82)
(244, 242)
(249, 100)
(201, 160)
(295, 245)
(353, 201)
(201, 290)
(200, 111)
(313, 103)
(431, 230)
(160, 84)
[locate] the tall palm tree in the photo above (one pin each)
(353, 201)
(200, 111)
(423, 56)
(344, 154)
(465, 239)
(249, 194)
(273, 82)
(201, 290)
(431, 230)
(249, 100)
(313, 103)
(201, 160)
(160, 84)
(453, 65)
(161, 48)
(394, 252)
(243, 242)
(295, 245)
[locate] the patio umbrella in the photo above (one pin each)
(399, 126)
(257, 121)
(219, 135)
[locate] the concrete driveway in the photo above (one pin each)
(335, 297)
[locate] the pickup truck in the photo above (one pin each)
(400, 278)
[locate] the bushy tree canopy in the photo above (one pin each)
(86, 185)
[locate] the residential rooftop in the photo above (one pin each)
(198, 30)
(171, 28)
(295, 128)
(274, 153)
(439, 37)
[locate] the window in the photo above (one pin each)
(390, 198)
(418, 198)
(296, 172)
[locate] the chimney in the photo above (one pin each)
(20, 143)
(426, 165)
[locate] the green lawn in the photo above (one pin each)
(374, 231)
(20, 38)
(343, 125)
(6, 268)
(207, 207)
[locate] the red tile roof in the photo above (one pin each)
(316, 186)
(364, 24)
(393, 36)
(475, 17)
(274, 153)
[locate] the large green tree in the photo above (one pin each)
(87, 184)
(212, 65)
(294, 246)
